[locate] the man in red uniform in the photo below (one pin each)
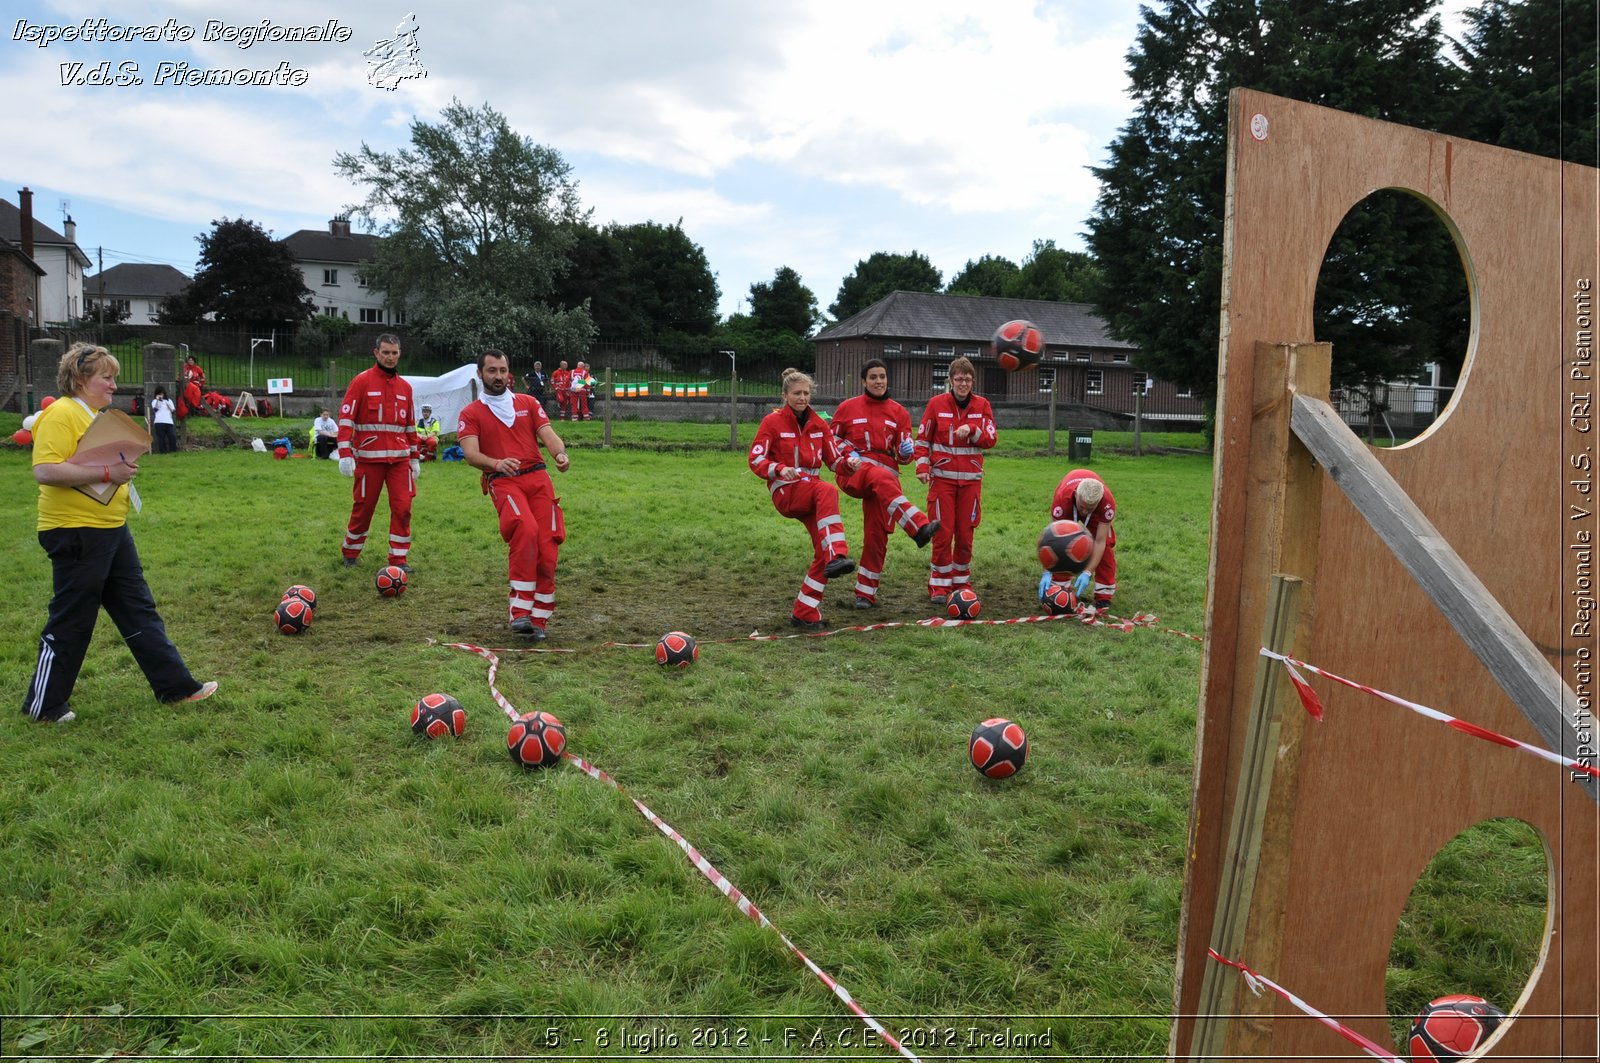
(581, 388)
(378, 446)
(561, 382)
(500, 434)
(880, 432)
(1082, 496)
(957, 427)
(790, 447)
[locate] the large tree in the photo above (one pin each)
(1156, 229)
(477, 221)
(1051, 273)
(989, 275)
(245, 278)
(784, 304)
(882, 273)
(641, 282)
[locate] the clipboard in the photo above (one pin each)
(112, 437)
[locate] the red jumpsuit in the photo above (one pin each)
(376, 429)
(579, 400)
(784, 441)
(561, 381)
(1064, 506)
(874, 429)
(956, 489)
(526, 502)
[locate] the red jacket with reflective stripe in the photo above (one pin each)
(375, 421)
(939, 453)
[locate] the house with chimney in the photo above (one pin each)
(137, 289)
(58, 254)
(331, 265)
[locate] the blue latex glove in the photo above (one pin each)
(908, 447)
(1044, 585)
(1081, 585)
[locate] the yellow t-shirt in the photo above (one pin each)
(55, 437)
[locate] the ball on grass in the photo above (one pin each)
(677, 649)
(391, 581)
(1453, 1027)
(301, 591)
(293, 616)
(998, 748)
(1060, 599)
(1018, 345)
(536, 740)
(1065, 547)
(437, 715)
(963, 604)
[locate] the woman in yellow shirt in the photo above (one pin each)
(92, 555)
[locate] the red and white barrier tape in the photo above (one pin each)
(1313, 705)
(1256, 981)
(705, 867)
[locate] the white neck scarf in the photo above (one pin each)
(503, 406)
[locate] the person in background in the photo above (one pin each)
(561, 381)
(83, 528)
(427, 434)
(582, 385)
(378, 447)
(957, 427)
(325, 434)
(538, 383)
(193, 374)
(163, 429)
(791, 446)
(880, 432)
(1083, 496)
(500, 434)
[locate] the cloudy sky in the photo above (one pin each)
(808, 135)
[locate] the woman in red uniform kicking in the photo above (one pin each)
(790, 448)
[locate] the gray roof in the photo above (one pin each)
(11, 229)
(152, 279)
(319, 245)
(973, 319)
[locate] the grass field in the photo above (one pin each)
(285, 870)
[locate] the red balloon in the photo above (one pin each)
(22, 437)
(47, 400)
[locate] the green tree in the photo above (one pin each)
(477, 221)
(990, 275)
(641, 282)
(784, 305)
(882, 273)
(1156, 228)
(245, 278)
(1051, 273)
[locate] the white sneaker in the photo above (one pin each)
(206, 690)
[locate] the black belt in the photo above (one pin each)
(490, 477)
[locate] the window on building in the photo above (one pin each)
(398, 316)
(891, 348)
(1047, 379)
(361, 280)
(919, 348)
(330, 276)
(1120, 358)
(330, 311)
(1080, 356)
(371, 315)
(947, 352)
(941, 377)
(969, 352)
(1142, 384)
(122, 306)
(1186, 393)
(1095, 382)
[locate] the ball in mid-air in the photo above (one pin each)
(1060, 599)
(677, 649)
(1018, 345)
(304, 593)
(391, 581)
(998, 748)
(963, 604)
(536, 740)
(1453, 1027)
(292, 616)
(437, 715)
(1065, 547)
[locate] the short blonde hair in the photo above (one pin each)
(1089, 493)
(792, 377)
(963, 365)
(81, 362)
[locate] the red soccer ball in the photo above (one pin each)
(963, 604)
(391, 581)
(677, 649)
(536, 740)
(1060, 599)
(998, 748)
(1453, 1027)
(292, 616)
(1018, 345)
(1065, 547)
(304, 593)
(437, 715)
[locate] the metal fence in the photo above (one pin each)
(1392, 411)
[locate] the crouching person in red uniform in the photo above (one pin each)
(500, 434)
(1082, 496)
(378, 446)
(880, 432)
(789, 451)
(957, 427)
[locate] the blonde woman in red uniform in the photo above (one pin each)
(790, 448)
(957, 427)
(880, 432)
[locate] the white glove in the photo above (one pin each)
(347, 466)
(416, 468)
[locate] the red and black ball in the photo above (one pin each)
(536, 740)
(438, 715)
(1065, 547)
(998, 748)
(677, 649)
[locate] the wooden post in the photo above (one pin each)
(733, 410)
(1138, 421)
(1055, 387)
(610, 394)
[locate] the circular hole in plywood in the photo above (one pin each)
(1476, 923)
(1394, 299)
